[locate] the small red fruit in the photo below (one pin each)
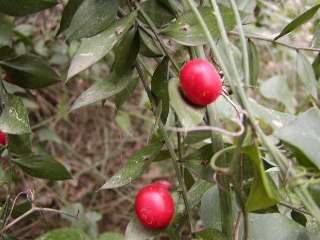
(163, 183)
(3, 138)
(154, 206)
(200, 82)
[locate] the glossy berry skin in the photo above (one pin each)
(3, 138)
(163, 183)
(200, 82)
(154, 206)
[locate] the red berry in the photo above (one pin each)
(163, 183)
(200, 82)
(154, 206)
(3, 138)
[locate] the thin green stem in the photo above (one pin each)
(155, 31)
(169, 145)
(244, 44)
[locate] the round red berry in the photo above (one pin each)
(154, 206)
(3, 138)
(163, 183)
(200, 82)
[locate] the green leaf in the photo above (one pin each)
(69, 10)
(316, 36)
(188, 115)
(19, 144)
(95, 48)
(307, 75)
(123, 121)
(126, 53)
(91, 17)
(210, 212)
(263, 192)
(21, 208)
(209, 234)
(277, 88)
(196, 192)
(46, 134)
(304, 135)
(187, 31)
(298, 21)
(30, 71)
(102, 90)
(6, 31)
(158, 12)
(274, 118)
(276, 226)
(127, 92)
(134, 167)
(64, 234)
(159, 87)
(316, 66)
(198, 162)
(110, 236)
(6, 53)
(147, 45)
(14, 117)
(253, 62)
(42, 166)
(136, 231)
(18, 8)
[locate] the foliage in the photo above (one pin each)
(238, 162)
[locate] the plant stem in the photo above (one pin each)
(156, 33)
(224, 180)
(169, 145)
(266, 39)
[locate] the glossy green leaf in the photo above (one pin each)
(127, 92)
(158, 12)
(42, 166)
(304, 135)
(316, 66)
(135, 166)
(19, 144)
(91, 17)
(298, 21)
(209, 234)
(197, 191)
(6, 52)
(6, 31)
(68, 12)
(316, 36)
(95, 48)
(30, 71)
(110, 236)
(147, 45)
(102, 90)
(174, 6)
(198, 162)
(188, 115)
(274, 118)
(124, 122)
(126, 53)
(136, 231)
(64, 234)
(277, 88)
(276, 226)
(254, 62)
(187, 31)
(19, 8)
(263, 192)
(14, 117)
(159, 87)
(210, 212)
(307, 75)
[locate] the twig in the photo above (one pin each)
(266, 39)
(288, 205)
